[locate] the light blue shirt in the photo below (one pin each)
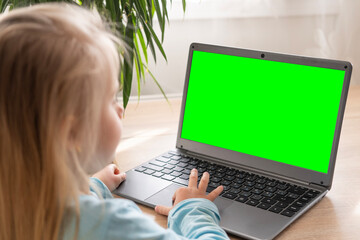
(113, 218)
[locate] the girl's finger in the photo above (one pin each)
(163, 210)
(193, 179)
(215, 193)
(204, 182)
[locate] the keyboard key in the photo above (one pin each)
(314, 192)
(251, 177)
(174, 153)
(264, 205)
(239, 180)
(240, 175)
(186, 171)
(169, 166)
(235, 185)
(167, 171)
(149, 171)
(246, 188)
(230, 172)
(287, 213)
(178, 169)
(225, 182)
(256, 197)
(229, 195)
(296, 190)
(249, 183)
(268, 200)
(275, 209)
(184, 160)
(158, 174)
(293, 195)
(256, 191)
(299, 204)
(175, 158)
(215, 179)
(173, 162)
(175, 174)
(157, 163)
(229, 178)
(310, 194)
(190, 167)
(252, 202)
(304, 199)
(259, 186)
(184, 176)
(234, 190)
(181, 181)
(282, 186)
(270, 189)
(241, 199)
(219, 175)
(283, 199)
(163, 159)
(268, 194)
(245, 194)
(181, 164)
(294, 208)
(261, 180)
(209, 189)
(281, 192)
(153, 167)
(281, 204)
(140, 169)
(214, 185)
(226, 188)
(168, 177)
(271, 184)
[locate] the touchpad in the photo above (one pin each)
(164, 197)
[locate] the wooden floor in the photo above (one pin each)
(150, 129)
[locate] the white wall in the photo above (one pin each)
(303, 27)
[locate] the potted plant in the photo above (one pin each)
(133, 21)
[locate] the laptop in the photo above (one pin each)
(265, 125)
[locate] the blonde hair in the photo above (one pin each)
(55, 60)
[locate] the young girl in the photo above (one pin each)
(60, 123)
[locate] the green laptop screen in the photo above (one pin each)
(274, 110)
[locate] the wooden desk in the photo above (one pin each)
(150, 129)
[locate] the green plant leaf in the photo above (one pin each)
(128, 65)
(184, 4)
(160, 17)
(148, 29)
(151, 30)
(143, 46)
(138, 57)
(138, 78)
(111, 8)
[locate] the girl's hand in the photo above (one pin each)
(192, 191)
(111, 176)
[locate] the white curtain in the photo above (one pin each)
(343, 40)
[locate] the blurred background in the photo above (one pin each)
(318, 28)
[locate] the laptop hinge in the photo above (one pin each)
(318, 186)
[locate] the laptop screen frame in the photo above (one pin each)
(257, 163)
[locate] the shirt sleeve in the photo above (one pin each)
(190, 219)
(99, 189)
(196, 218)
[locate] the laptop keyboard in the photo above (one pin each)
(254, 190)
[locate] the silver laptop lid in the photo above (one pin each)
(277, 113)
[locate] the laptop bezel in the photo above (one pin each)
(258, 163)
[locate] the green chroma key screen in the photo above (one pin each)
(279, 111)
